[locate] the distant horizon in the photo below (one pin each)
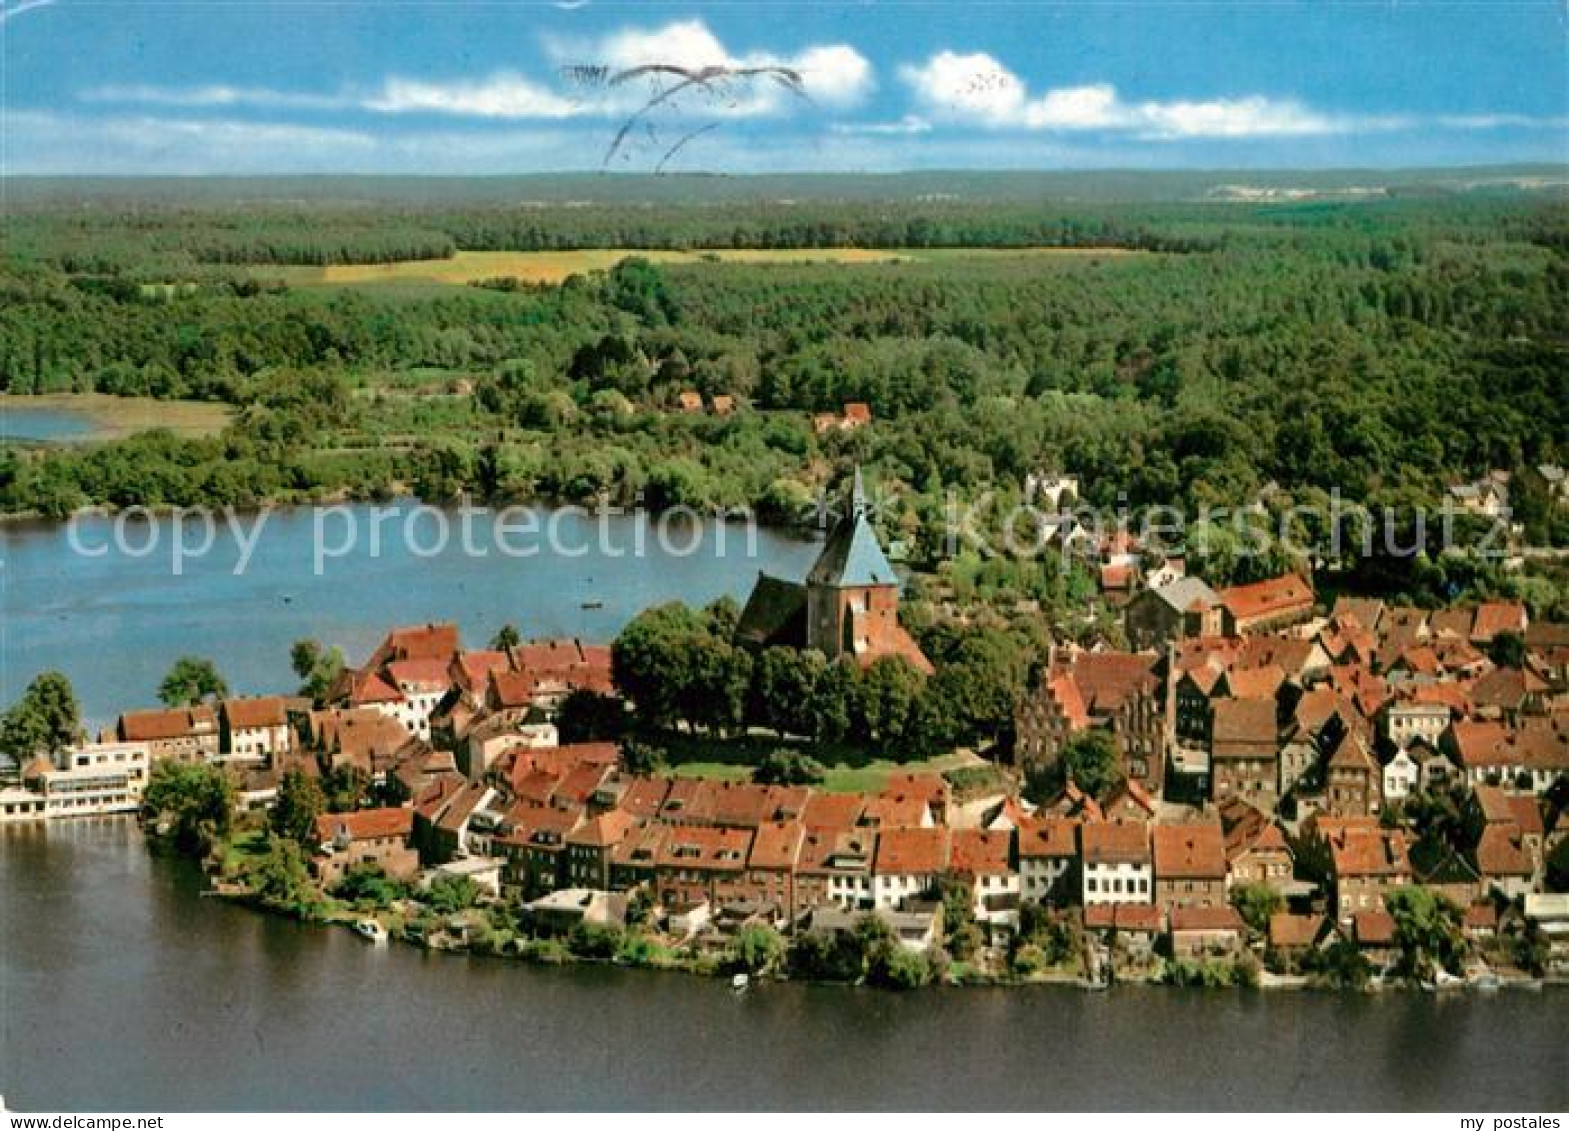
(753, 175)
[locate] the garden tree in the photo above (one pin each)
(827, 956)
(1340, 965)
(281, 880)
(784, 681)
(300, 802)
(598, 941)
(980, 675)
(788, 767)
(656, 660)
(345, 788)
(191, 680)
(588, 716)
(44, 720)
(1507, 650)
(1051, 934)
(1256, 903)
(193, 800)
(1557, 875)
(1529, 947)
(1428, 931)
(450, 894)
(368, 887)
(961, 934)
(895, 966)
(890, 689)
(757, 949)
(1447, 816)
(835, 701)
(318, 668)
(642, 757)
(1089, 758)
(717, 694)
(507, 636)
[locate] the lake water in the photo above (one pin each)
(42, 424)
(121, 989)
(115, 623)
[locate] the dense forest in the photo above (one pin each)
(1380, 349)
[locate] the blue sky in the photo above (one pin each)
(217, 86)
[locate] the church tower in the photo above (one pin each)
(852, 594)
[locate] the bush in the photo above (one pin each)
(599, 941)
(1029, 960)
(897, 967)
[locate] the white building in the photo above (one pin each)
(255, 730)
(1401, 775)
(1117, 864)
(1048, 850)
(421, 683)
(908, 866)
(1405, 723)
(90, 780)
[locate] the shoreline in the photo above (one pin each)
(554, 951)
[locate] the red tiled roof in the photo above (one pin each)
(422, 642)
(705, 847)
(603, 831)
(1047, 837)
(645, 796)
(1501, 852)
(1369, 851)
(180, 722)
(1244, 728)
(1257, 683)
(1113, 842)
(979, 852)
(249, 714)
(1274, 596)
(423, 673)
(777, 845)
(912, 852)
(1493, 617)
(1289, 931)
(1373, 928)
(369, 687)
(1189, 852)
(365, 824)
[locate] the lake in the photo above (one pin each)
(43, 425)
(115, 623)
(122, 989)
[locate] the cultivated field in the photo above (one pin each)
(555, 266)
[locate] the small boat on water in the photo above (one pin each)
(1443, 980)
(740, 983)
(1486, 981)
(370, 929)
(592, 605)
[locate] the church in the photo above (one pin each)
(848, 605)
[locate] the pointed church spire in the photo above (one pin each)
(857, 495)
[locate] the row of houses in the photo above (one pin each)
(1346, 714)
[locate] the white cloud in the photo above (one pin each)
(907, 126)
(978, 89)
(833, 74)
(215, 95)
(45, 143)
(499, 96)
